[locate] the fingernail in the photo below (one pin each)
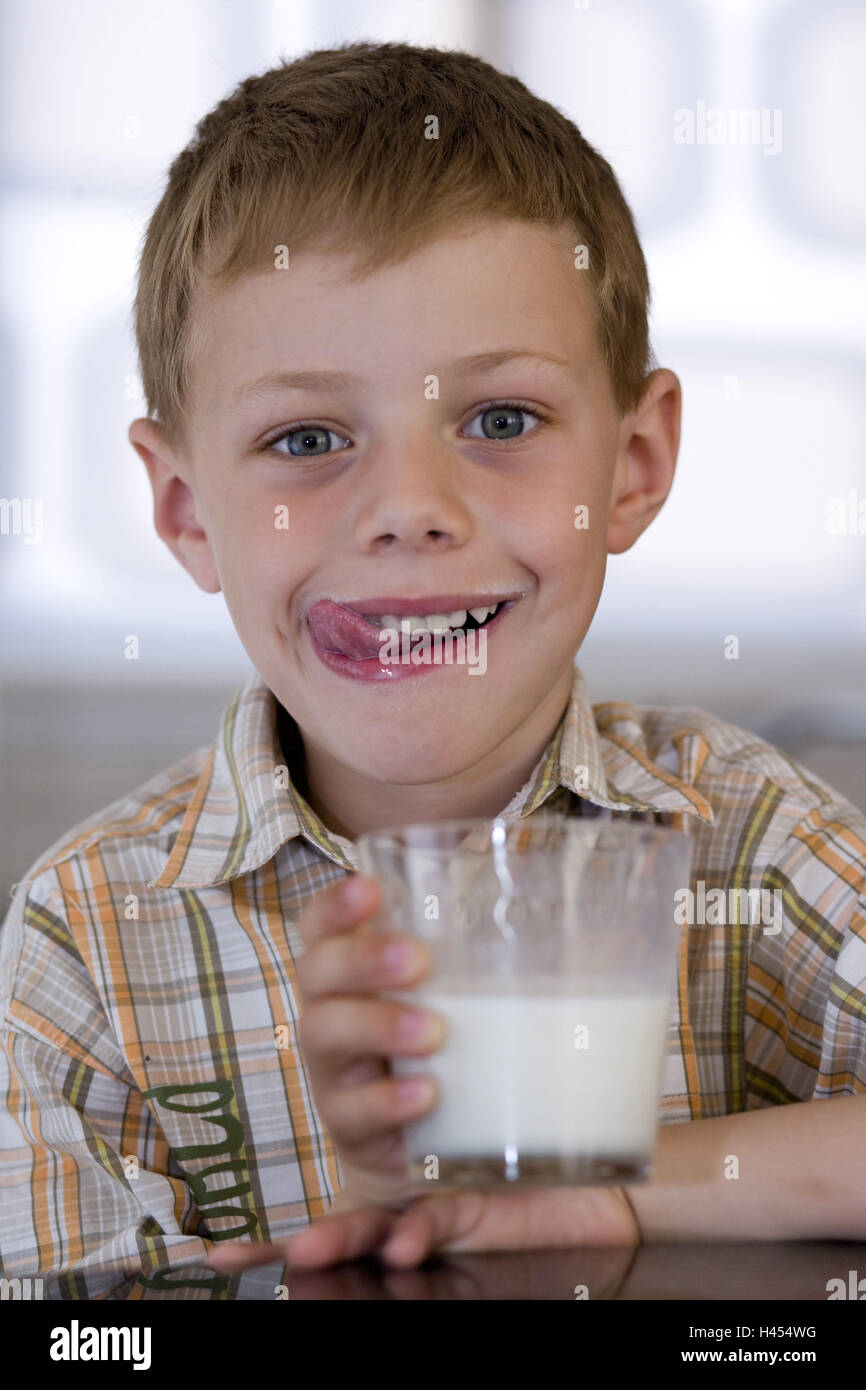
(399, 957)
(397, 1250)
(419, 1027)
(414, 1090)
(354, 892)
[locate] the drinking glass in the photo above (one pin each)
(553, 943)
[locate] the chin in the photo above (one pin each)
(404, 766)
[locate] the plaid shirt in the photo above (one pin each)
(155, 1097)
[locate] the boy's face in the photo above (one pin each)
(420, 491)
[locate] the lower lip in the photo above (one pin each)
(371, 668)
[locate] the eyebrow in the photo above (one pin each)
(475, 365)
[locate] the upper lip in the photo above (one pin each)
(401, 607)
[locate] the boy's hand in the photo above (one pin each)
(454, 1220)
(347, 1033)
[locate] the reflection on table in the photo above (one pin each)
(812, 1271)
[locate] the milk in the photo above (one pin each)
(564, 1077)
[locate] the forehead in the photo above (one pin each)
(485, 285)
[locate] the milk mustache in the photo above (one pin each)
(535, 1077)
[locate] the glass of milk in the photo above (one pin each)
(554, 961)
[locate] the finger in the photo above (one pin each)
(434, 1223)
(355, 962)
(335, 1031)
(413, 1238)
(335, 1239)
(357, 1115)
(239, 1255)
(339, 907)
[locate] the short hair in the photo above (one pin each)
(331, 146)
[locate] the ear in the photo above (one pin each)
(175, 506)
(649, 441)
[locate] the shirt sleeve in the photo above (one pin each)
(88, 1195)
(805, 1027)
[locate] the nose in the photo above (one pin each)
(411, 496)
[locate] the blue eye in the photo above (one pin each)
(502, 418)
(306, 441)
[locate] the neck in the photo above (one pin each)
(349, 804)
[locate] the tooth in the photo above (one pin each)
(416, 622)
(457, 618)
(437, 622)
(389, 620)
(479, 614)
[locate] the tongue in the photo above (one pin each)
(340, 629)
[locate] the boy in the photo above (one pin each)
(392, 324)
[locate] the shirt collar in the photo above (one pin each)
(246, 804)
(600, 753)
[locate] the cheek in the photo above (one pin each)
(565, 536)
(261, 540)
(563, 510)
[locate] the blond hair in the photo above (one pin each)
(331, 147)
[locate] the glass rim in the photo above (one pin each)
(400, 836)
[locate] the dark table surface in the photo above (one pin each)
(774, 1272)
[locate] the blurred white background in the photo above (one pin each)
(756, 258)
